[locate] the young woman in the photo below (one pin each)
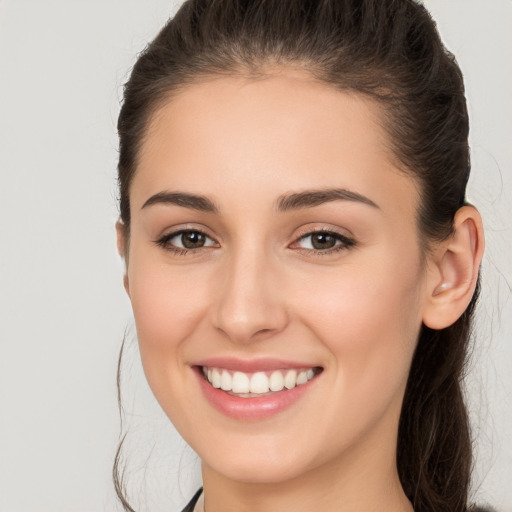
(300, 258)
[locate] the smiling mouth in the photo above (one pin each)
(252, 385)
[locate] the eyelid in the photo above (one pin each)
(180, 228)
(323, 228)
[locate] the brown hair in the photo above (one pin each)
(389, 50)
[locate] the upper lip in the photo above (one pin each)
(252, 365)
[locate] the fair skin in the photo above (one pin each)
(258, 288)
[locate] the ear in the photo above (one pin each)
(122, 248)
(453, 270)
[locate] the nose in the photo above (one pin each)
(249, 304)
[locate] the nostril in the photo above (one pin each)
(247, 331)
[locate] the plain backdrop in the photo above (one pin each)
(63, 312)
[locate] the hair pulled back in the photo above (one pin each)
(390, 51)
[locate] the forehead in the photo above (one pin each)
(274, 134)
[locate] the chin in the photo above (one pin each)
(258, 459)
(258, 472)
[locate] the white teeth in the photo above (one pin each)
(240, 383)
(215, 378)
(226, 382)
(276, 381)
(257, 383)
(302, 378)
(290, 380)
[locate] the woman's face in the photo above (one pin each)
(274, 252)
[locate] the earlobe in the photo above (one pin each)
(121, 249)
(454, 270)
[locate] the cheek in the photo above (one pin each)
(168, 304)
(369, 319)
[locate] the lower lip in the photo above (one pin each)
(257, 408)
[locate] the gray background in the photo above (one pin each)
(63, 312)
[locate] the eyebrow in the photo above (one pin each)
(287, 202)
(192, 201)
(311, 198)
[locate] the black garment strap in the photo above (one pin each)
(193, 501)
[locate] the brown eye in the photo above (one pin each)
(322, 241)
(192, 239)
(185, 240)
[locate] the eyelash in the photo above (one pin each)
(342, 242)
(345, 242)
(164, 242)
